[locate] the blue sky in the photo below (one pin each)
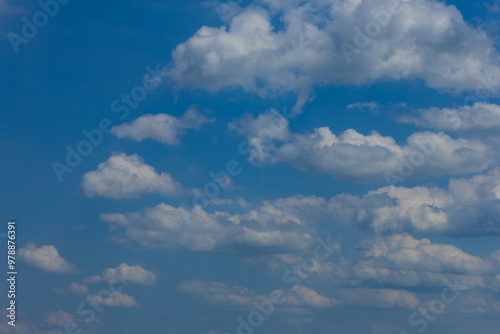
(227, 138)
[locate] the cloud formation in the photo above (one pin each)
(220, 293)
(46, 258)
(114, 299)
(379, 298)
(337, 42)
(480, 116)
(357, 157)
(163, 128)
(469, 207)
(264, 229)
(127, 176)
(134, 274)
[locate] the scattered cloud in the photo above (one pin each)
(480, 116)
(379, 298)
(357, 157)
(46, 258)
(92, 279)
(114, 299)
(264, 229)
(370, 106)
(163, 128)
(127, 176)
(134, 274)
(469, 207)
(220, 293)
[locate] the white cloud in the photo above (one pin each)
(220, 293)
(306, 297)
(265, 228)
(357, 157)
(468, 207)
(127, 176)
(75, 288)
(79, 289)
(393, 262)
(370, 106)
(92, 279)
(480, 116)
(46, 258)
(59, 318)
(164, 128)
(445, 52)
(379, 298)
(404, 252)
(114, 299)
(134, 274)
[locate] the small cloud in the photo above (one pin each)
(114, 299)
(46, 258)
(370, 106)
(92, 279)
(163, 128)
(134, 274)
(127, 176)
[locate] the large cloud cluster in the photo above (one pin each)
(337, 42)
(358, 157)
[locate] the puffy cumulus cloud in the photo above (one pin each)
(133, 274)
(468, 207)
(220, 293)
(396, 261)
(480, 116)
(337, 42)
(358, 157)
(474, 303)
(127, 176)
(164, 128)
(404, 252)
(124, 274)
(267, 228)
(113, 299)
(379, 298)
(306, 297)
(46, 258)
